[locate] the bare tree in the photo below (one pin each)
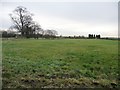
(22, 20)
(36, 28)
(54, 32)
(50, 32)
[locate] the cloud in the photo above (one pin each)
(69, 27)
(76, 18)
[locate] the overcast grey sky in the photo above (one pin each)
(69, 18)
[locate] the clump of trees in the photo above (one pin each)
(23, 23)
(92, 36)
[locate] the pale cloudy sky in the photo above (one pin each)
(68, 18)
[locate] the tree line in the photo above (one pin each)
(47, 34)
(43, 34)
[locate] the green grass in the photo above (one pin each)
(59, 63)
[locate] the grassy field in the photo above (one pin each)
(59, 63)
